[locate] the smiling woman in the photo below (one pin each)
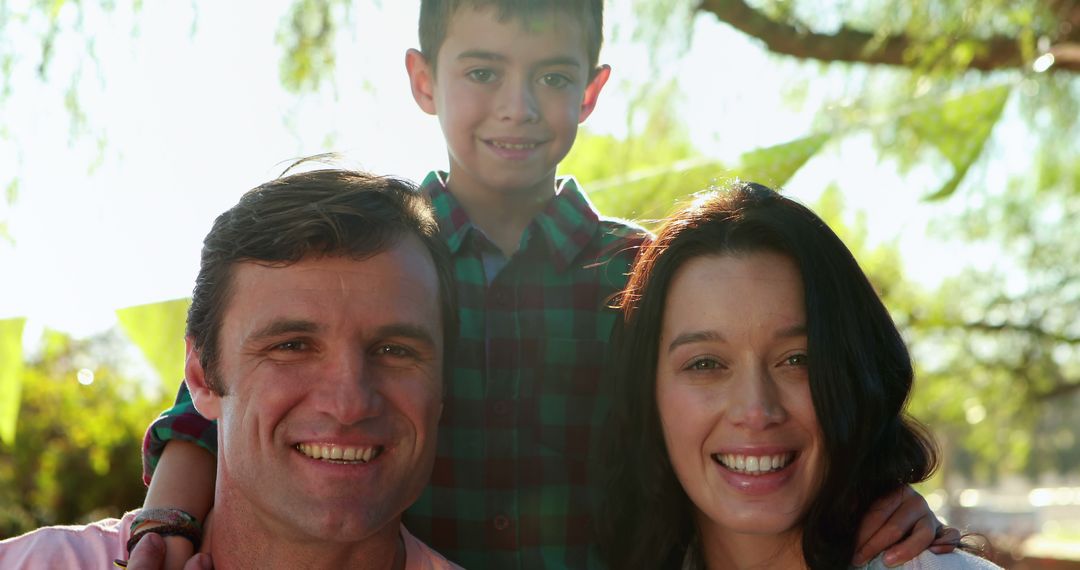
(759, 396)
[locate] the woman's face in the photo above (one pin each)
(734, 396)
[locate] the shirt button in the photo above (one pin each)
(501, 522)
(502, 407)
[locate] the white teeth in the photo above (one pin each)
(338, 454)
(754, 464)
(513, 146)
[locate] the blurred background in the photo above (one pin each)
(941, 138)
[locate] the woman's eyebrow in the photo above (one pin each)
(695, 336)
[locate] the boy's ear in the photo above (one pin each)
(206, 400)
(421, 79)
(592, 91)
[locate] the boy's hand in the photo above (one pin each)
(156, 553)
(903, 523)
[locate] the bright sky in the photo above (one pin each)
(192, 113)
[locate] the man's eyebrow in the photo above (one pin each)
(695, 336)
(284, 326)
(492, 56)
(407, 330)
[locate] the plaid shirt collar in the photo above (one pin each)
(567, 223)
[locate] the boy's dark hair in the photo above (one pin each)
(860, 375)
(324, 212)
(435, 17)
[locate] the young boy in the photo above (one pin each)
(536, 266)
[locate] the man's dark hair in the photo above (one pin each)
(860, 375)
(435, 17)
(319, 213)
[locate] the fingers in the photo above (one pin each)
(948, 538)
(199, 562)
(148, 554)
(900, 522)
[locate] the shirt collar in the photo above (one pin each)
(567, 223)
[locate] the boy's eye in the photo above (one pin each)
(481, 75)
(556, 80)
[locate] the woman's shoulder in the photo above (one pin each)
(958, 560)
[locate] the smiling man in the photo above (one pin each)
(316, 337)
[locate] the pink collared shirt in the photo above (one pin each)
(97, 544)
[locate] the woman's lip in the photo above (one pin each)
(758, 484)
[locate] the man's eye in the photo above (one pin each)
(482, 75)
(394, 351)
(291, 346)
(556, 80)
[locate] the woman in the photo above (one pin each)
(759, 397)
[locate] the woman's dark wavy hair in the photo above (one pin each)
(327, 212)
(860, 376)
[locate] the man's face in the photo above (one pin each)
(331, 370)
(509, 95)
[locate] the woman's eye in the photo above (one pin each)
(797, 360)
(482, 75)
(556, 80)
(703, 364)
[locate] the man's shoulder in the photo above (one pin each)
(69, 546)
(419, 556)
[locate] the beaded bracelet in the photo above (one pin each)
(183, 531)
(169, 516)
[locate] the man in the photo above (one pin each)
(316, 337)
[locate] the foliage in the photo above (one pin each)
(11, 367)
(77, 457)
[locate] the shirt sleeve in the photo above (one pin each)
(180, 422)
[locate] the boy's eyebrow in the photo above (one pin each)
(492, 56)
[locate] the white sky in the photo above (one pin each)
(192, 117)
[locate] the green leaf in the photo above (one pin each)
(650, 194)
(958, 129)
(773, 166)
(158, 330)
(11, 370)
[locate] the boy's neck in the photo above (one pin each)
(502, 215)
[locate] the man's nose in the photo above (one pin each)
(349, 390)
(517, 102)
(755, 399)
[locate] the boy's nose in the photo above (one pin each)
(517, 103)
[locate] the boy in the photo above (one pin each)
(510, 80)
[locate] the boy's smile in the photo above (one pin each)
(509, 95)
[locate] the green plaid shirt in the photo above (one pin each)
(510, 487)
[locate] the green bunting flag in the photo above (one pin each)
(158, 330)
(11, 371)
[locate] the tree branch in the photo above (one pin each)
(855, 46)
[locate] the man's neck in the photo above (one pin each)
(237, 541)
(503, 216)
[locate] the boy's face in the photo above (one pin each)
(509, 96)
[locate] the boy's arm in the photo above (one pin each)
(179, 454)
(902, 526)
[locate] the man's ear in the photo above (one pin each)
(421, 79)
(206, 400)
(592, 91)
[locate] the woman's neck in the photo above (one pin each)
(723, 550)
